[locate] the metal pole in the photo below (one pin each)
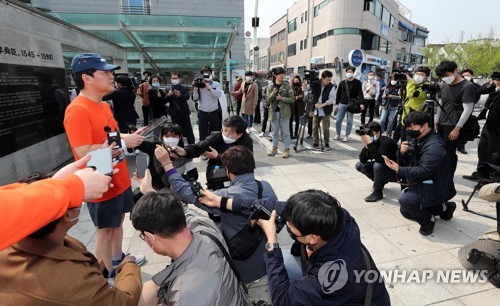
(255, 43)
(141, 61)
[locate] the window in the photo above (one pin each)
(301, 45)
(386, 16)
(419, 41)
(274, 58)
(305, 15)
(402, 34)
(292, 25)
(281, 57)
(316, 11)
(378, 9)
(315, 41)
(383, 45)
(305, 43)
(301, 70)
(281, 35)
(389, 47)
(302, 18)
(391, 22)
(289, 71)
(369, 41)
(346, 31)
(292, 49)
(369, 6)
(137, 7)
(274, 39)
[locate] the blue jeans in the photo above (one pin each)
(340, 118)
(248, 119)
(284, 124)
(387, 114)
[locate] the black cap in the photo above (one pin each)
(496, 76)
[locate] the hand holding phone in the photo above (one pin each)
(141, 162)
(101, 161)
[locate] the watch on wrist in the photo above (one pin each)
(271, 246)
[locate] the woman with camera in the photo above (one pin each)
(297, 107)
(390, 102)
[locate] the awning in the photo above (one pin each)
(165, 42)
(404, 25)
(422, 33)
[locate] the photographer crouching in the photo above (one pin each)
(427, 168)
(371, 163)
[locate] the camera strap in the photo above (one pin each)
(259, 190)
(228, 258)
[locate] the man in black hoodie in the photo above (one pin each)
(178, 108)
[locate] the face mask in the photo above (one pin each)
(374, 138)
(418, 79)
(393, 83)
(175, 82)
(413, 133)
(449, 80)
(171, 141)
(292, 235)
(228, 140)
(156, 85)
(370, 77)
(349, 75)
(207, 78)
(248, 79)
(296, 84)
(468, 78)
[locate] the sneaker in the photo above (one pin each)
(269, 134)
(345, 139)
(309, 137)
(248, 130)
(140, 259)
(203, 157)
(336, 137)
(427, 229)
(448, 213)
(315, 147)
(262, 134)
(472, 177)
(375, 196)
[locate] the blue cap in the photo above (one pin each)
(85, 61)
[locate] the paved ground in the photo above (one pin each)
(393, 241)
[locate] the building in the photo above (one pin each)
(258, 57)
(319, 31)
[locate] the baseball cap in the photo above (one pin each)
(85, 61)
(496, 76)
(239, 79)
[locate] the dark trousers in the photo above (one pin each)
(145, 114)
(309, 126)
(187, 128)
(294, 118)
(238, 107)
(451, 145)
(379, 173)
(256, 118)
(266, 118)
(488, 149)
(208, 122)
(123, 125)
(370, 106)
(410, 207)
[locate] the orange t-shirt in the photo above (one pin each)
(84, 122)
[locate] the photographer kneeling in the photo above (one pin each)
(371, 163)
(428, 170)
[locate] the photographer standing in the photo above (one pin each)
(390, 103)
(415, 96)
(371, 163)
(457, 104)
(428, 170)
(324, 95)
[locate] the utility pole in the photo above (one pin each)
(255, 25)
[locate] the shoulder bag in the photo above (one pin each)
(353, 105)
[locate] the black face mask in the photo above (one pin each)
(297, 85)
(293, 236)
(413, 134)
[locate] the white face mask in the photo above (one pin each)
(394, 83)
(370, 77)
(449, 80)
(171, 141)
(418, 79)
(248, 79)
(228, 140)
(349, 75)
(468, 78)
(175, 81)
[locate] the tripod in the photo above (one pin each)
(304, 119)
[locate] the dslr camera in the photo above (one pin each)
(259, 211)
(400, 74)
(196, 188)
(362, 131)
(198, 82)
(431, 90)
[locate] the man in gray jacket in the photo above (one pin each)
(199, 273)
(239, 164)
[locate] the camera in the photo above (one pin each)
(198, 82)
(259, 211)
(312, 76)
(475, 255)
(196, 188)
(412, 145)
(362, 131)
(400, 74)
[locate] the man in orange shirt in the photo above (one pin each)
(87, 121)
(142, 91)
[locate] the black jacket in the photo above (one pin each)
(374, 151)
(216, 141)
(123, 104)
(355, 91)
(178, 106)
(157, 103)
(326, 92)
(429, 169)
(493, 105)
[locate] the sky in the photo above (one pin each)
(445, 19)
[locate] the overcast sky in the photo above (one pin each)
(445, 19)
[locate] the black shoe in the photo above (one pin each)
(448, 213)
(315, 147)
(327, 146)
(375, 196)
(472, 177)
(427, 229)
(309, 137)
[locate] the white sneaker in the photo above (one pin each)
(345, 139)
(140, 259)
(336, 137)
(261, 134)
(248, 130)
(269, 134)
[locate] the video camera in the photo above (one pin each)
(475, 255)
(259, 211)
(312, 77)
(431, 90)
(198, 82)
(400, 74)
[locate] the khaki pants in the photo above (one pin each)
(325, 122)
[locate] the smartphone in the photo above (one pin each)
(385, 157)
(158, 122)
(141, 162)
(101, 160)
